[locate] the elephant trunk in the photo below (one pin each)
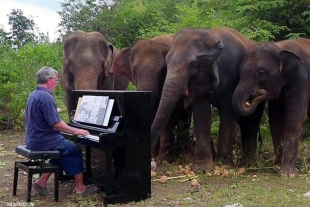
(245, 102)
(87, 81)
(174, 86)
(155, 97)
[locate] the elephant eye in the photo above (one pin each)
(261, 73)
(193, 64)
(134, 72)
(70, 65)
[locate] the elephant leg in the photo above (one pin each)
(275, 112)
(227, 135)
(183, 142)
(202, 123)
(166, 146)
(249, 127)
(294, 114)
(155, 151)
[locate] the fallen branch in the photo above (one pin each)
(169, 178)
(190, 178)
(259, 168)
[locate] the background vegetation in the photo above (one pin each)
(25, 49)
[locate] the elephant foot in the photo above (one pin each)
(154, 153)
(220, 160)
(247, 160)
(164, 159)
(204, 165)
(286, 171)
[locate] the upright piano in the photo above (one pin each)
(128, 129)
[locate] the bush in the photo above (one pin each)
(17, 70)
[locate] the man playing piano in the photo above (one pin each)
(43, 132)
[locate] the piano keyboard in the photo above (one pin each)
(91, 137)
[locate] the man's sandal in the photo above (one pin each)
(89, 189)
(41, 190)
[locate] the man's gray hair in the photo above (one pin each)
(44, 73)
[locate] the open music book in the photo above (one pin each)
(94, 110)
(108, 112)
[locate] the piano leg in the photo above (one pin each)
(112, 195)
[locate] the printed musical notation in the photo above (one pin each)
(93, 109)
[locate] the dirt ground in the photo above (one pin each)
(9, 140)
(222, 188)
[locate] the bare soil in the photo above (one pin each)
(221, 187)
(8, 141)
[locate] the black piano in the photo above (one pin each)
(128, 130)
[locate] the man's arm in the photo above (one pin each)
(63, 127)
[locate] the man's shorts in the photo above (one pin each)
(71, 160)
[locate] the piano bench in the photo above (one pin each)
(36, 165)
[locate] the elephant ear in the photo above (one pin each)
(109, 59)
(290, 64)
(122, 65)
(213, 53)
(66, 77)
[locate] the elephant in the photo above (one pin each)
(280, 74)
(204, 65)
(145, 65)
(87, 60)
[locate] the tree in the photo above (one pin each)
(295, 14)
(22, 30)
(4, 37)
(125, 21)
(82, 15)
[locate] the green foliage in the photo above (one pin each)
(126, 21)
(123, 22)
(22, 28)
(4, 37)
(305, 134)
(215, 123)
(17, 78)
(131, 87)
(83, 14)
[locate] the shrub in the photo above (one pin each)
(17, 70)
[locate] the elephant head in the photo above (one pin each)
(264, 71)
(145, 65)
(87, 61)
(191, 69)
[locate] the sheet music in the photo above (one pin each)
(108, 112)
(92, 109)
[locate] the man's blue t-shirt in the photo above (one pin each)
(41, 114)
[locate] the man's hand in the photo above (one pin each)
(81, 132)
(63, 127)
